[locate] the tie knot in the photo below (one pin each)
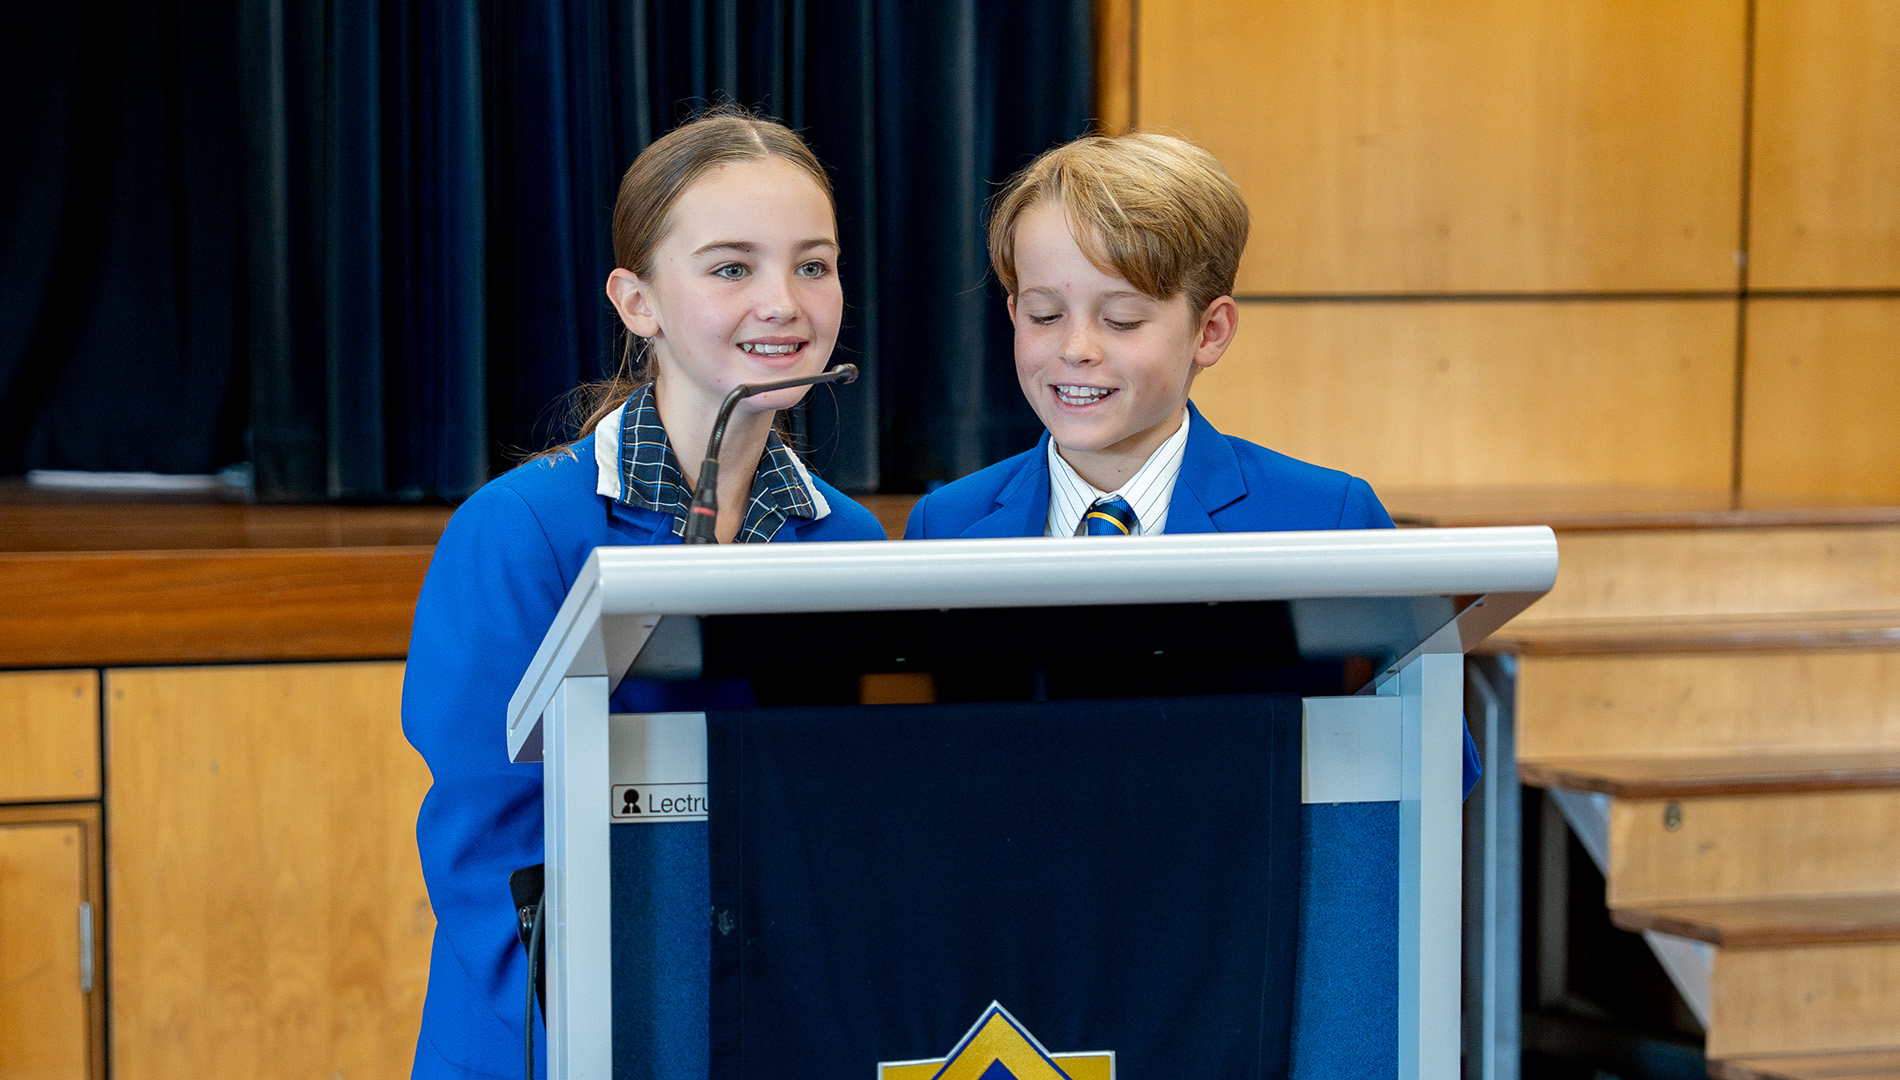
(1109, 517)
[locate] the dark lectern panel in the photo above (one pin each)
(1307, 647)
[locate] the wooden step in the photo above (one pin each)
(1675, 777)
(1596, 508)
(1636, 704)
(1881, 1064)
(1742, 572)
(1704, 633)
(1739, 847)
(1803, 999)
(1763, 923)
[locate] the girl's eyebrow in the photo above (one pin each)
(747, 247)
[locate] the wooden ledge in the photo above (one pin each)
(1880, 1064)
(95, 581)
(1576, 508)
(1759, 633)
(96, 609)
(1727, 774)
(1743, 924)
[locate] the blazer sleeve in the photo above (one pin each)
(1362, 509)
(493, 586)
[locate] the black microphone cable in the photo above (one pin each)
(701, 516)
(534, 963)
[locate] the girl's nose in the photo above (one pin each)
(776, 301)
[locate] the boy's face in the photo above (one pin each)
(1106, 367)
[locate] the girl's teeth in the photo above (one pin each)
(769, 350)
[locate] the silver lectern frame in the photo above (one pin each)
(559, 713)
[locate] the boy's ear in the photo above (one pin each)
(632, 300)
(1219, 323)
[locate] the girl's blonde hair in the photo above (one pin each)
(1156, 210)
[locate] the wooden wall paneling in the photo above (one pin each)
(49, 735)
(1821, 396)
(268, 912)
(1490, 145)
(1824, 202)
(1424, 394)
(1706, 703)
(1115, 64)
(51, 1028)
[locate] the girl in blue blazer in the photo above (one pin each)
(726, 247)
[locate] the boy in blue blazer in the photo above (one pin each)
(1119, 256)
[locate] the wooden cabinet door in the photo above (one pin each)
(268, 912)
(49, 1021)
(49, 736)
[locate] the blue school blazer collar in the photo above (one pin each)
(637, 525)
(1022, 506)
(1210, 479)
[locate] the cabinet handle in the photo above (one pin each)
(85, 947)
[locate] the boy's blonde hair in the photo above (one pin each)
(1157, 210)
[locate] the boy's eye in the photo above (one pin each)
(1118, 324)
(1040, 320)
(731, 271)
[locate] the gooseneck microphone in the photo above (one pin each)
(704, 512)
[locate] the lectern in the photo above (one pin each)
(1398, 607)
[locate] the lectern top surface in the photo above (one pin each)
(742, 579)
(1469, 581)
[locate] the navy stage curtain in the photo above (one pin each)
(363, 245)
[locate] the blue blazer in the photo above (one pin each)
(1346, 1002)
(1226, 485)
(498, 576)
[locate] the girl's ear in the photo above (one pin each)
(633, 300)
(1218, 325)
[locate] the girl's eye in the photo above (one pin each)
(730, 271)
(1115, 324)
(816, 268)
(1040, 320)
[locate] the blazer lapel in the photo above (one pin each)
(1022, 506)
(640, 525)
(1210, 479)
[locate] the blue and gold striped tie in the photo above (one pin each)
(1110, 517)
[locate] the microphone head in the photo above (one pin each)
(846, 373)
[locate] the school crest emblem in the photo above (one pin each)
(998, 1048)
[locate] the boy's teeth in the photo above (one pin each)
(1082, 395)
(769, 350)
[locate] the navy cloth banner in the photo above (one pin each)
(1116, 875)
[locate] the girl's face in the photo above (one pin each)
(744, 287)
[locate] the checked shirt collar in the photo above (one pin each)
(638, 468)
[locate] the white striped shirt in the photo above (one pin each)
(1149, 492)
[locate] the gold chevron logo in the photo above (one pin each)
(998, 1048)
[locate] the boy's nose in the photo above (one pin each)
(1080, 346)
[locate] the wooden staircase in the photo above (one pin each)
(1713, 699)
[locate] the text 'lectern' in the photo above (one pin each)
(1400, 607)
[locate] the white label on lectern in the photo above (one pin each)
(657, 767)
